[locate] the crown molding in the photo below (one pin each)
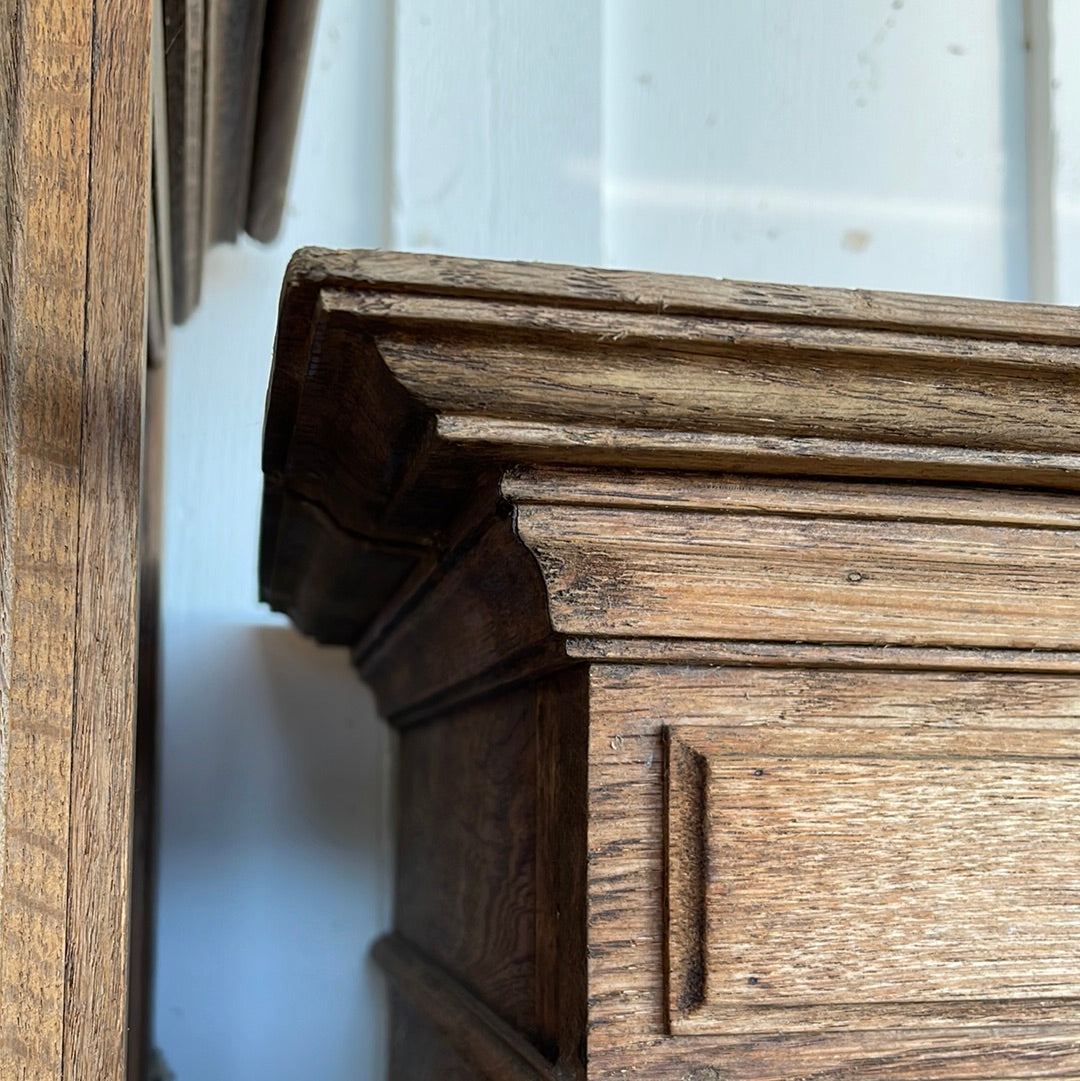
(634, 420)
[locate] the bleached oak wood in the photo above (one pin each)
(837, 878)
(730, 634)
(74, 88)
(632, 706)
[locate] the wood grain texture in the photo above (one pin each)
(852, 879)
(439, 360)
(46, 82)
(475, 844)
(450, 1034)
(489, 588)
(491, 855)
(712, 651)
(871, 714)
(659, 294)
(107, 623)
(75, 184)
(747, 558)
(562, 515)
(781, 577)
(791, 497)
(766, 392)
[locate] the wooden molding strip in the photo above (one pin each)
(287, 45)
(671, 294)
(74, 187)
(792, 497)
(485, 1040)
(185, 66)
(812, 655)
(664, 372)
(106, 647)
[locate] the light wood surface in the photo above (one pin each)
(631, 709)
(852, 879)
(75, 117)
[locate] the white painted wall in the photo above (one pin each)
(275, 842)
(872, 143)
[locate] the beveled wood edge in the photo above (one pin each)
(789, 497)
(523, 318)
(610, 447)
(289, 31)
(674, 294)
(685, 775)
(487, 1042)
(565, 650)
(527, 667)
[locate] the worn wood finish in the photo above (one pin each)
(44, 288)
(631, 707)
(432, 363)
(673, 575)
(730, 633)
(491, 814)
(440, 1030)
(801, 884)
(74, 187)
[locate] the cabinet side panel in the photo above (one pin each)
(466, 877)
(45, 92)
(491, 859)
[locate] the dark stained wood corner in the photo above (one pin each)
(733, 636)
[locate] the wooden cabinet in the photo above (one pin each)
(733, 637)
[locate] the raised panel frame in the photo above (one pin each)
(785, 783)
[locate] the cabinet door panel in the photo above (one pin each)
(846, 878)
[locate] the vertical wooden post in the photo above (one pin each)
(74, 124)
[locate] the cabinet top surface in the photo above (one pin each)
(676, 294)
